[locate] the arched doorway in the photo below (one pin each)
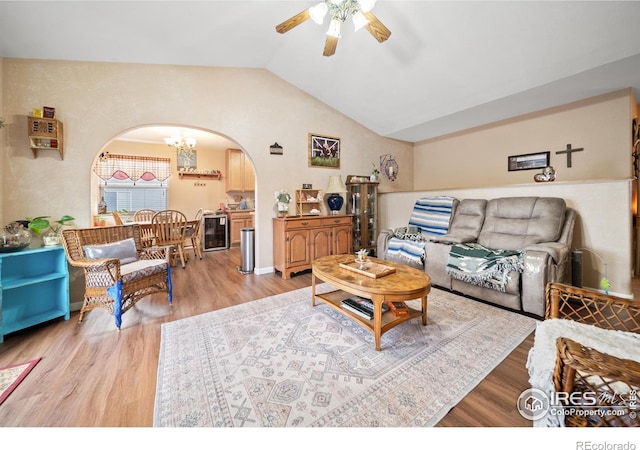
(189, 187)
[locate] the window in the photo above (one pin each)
(132, 198)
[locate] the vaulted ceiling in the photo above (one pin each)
(448, 65)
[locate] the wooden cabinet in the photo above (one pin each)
(238, 220)
(34, 288)
(298, 241)
(308, 202)
(362, 203)
(240, 176)
(46, 134)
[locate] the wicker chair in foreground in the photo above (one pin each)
(118, 270)
(612, 382)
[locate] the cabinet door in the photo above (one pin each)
(234, 180)
(342, 240)
(235, 224)
(297, 248)
(321, 243)
(249, 178)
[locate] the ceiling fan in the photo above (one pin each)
(339, 11)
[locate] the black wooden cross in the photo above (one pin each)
(568, 151)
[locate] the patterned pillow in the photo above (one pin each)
(124, 250)
(409, 233)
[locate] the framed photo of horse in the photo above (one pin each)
(324, 151)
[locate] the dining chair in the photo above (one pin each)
(194, 241)
(117, 218)
(169, 228)
(143, 215)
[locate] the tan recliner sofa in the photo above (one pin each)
(541, 228)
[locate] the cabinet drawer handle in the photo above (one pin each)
(336, 220)
(305, 223)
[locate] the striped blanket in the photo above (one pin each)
(431, 215)
(482, 266)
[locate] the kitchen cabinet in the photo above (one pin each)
(362, 203)
(298, 241)
(238, 219)
(34, 288)
(240, 176)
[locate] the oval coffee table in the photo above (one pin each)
(404, 283)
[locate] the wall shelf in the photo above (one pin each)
(200, 176)
(45, 134)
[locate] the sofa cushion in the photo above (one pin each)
(512, 223)
(125, 250)
(466, 222)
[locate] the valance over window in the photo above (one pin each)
(122, 167)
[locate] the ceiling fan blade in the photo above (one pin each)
(330, 45)
(293, 21)
(376, 28)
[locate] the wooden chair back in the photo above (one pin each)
(143, 215)
(169, 228)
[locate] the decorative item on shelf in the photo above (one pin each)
(37, 113)
(548, 174)
(14, 238)
(48, 112)
(283, 199)
(103, 157)
(307, 186)
(389, 167)
(102, 206)
(334, 189)
(275, 149)
(375, 173)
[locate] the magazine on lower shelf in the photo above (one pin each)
(359, 311)
(364, 303)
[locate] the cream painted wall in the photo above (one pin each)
(478, 157)
(99, 101)
(603, 225)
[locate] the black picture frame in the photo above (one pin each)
(529, 161)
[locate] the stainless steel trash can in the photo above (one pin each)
(247, 262)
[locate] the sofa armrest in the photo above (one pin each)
(383, 242)
(558, 251)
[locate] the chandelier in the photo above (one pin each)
(339, 11)
(185, 147)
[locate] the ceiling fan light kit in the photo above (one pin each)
(339, 11)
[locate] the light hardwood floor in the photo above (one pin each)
(91, 375)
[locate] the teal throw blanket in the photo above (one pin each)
(482, 266)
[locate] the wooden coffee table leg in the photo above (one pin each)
(424, 310)
(313, 289)
(377, 319)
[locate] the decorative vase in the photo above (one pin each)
(335, 202)
(373, 178)
(14, 237)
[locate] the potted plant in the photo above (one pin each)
(42, 224)
(375, 173)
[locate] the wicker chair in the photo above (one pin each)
(113, 283)
(580, 369)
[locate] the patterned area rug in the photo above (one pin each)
(279, 362)
(12, 376)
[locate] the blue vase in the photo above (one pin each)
(335, 202)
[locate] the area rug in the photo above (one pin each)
(280, 362)
(12, 376)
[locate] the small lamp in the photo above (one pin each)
(334, 189)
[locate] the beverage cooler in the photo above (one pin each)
(215, 232)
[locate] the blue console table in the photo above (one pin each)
(34, 288)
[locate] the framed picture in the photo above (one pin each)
(324, 151)
(187, 160)
(529, 161)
